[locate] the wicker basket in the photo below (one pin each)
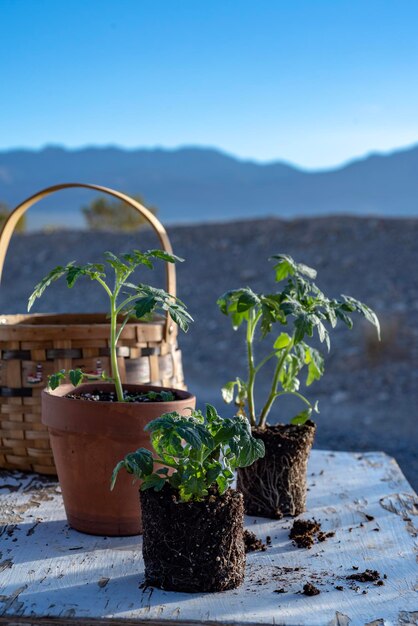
(34, 346)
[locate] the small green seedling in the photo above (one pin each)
(195, 451)
(126, 300)
(301, 308)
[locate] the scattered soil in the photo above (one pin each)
(109, 396)
(253, 543)
(322, 536)
(306, 532)
(369, 575)
(275, 485)
(310, 590)
(281, 590)
(193, 546)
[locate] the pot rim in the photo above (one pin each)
(63, 390)
(110, 419)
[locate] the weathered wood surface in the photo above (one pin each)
(50, 574)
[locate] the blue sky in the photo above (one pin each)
(313, 82)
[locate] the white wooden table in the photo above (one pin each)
(50, 574)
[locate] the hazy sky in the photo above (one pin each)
(313, 82)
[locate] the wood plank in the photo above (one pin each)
(50, 574)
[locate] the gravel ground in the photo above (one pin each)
(369, 394)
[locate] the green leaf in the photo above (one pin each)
(236, 303)
(223, 483)
(194, 434)
(237, 319)
(122, 270)
(315, 366)
(76, 377)
(136, 258)
(167, 396)
(139, 463)
(222, 303)
(151, 298)
(55, 380)
(213, 471)
(193, 487)
(364, 310)
(180, 316)
(211, 414)
(165, 256)
(323, 334)
(115, 473)
(344, 317)
(285, 267)
(306, 270)
(228, 391)
(282, 341)
(143, 306)
(289, 372)
(252, 450)
(53, 275)
(247, 300)
(91, 270)
(153, 481)
(301, 417)
(303, 326)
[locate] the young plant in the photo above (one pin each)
(126, 300)
(196, 453)
(302, 308)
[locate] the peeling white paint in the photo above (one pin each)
(49, 570)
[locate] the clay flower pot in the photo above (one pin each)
(275, 485)
(88, 439)
(193, 546)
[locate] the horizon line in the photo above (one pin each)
(203, 147)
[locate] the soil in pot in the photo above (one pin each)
(275, 485)
(88, 438)
(193, 546)
(100, 395)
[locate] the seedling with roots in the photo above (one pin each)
(302, 309)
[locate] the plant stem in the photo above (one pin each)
(113, 349)
(122, 326)
(127, 301)
(105, 287)
(265, 360)
(251, 326)
(294, 393)
(273, 394)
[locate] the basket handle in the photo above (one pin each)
(11, 221)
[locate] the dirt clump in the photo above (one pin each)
(310, 590)
(253, 543)
(305, 533)
(368, 576)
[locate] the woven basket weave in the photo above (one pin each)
(34, 346)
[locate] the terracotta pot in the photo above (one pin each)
(275, 485)
(88, 439)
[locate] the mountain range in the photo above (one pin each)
(201, 184)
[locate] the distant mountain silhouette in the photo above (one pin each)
(199, 184)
